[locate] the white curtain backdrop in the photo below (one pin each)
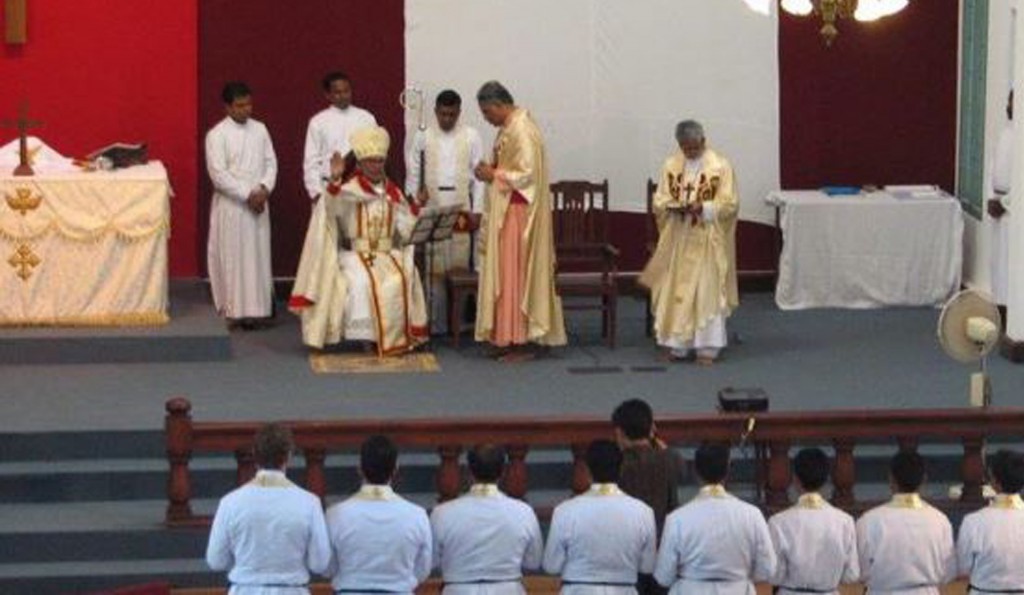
(607, 81)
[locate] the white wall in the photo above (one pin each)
(607, 81)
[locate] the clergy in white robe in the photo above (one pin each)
(439, 173)
(601, 540)
(716, 544)
(243, 169)
(905, 547)
(692, 273)
(998, 207)
(484, 540)
(380, 542)
(990, 547)
(356, 277)
(329, 132)
(815, 543)
(269, 534)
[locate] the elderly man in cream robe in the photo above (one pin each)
(243, 168)
(692, 274)
(356, 278)
(440, 166)
(516, 301)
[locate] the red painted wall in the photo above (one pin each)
(283, 50)
(879, 106)
(102, 71)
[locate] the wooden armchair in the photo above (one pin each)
(587, 263)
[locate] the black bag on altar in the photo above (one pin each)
(121, 155)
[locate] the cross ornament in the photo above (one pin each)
(24, 260)
(23, 124)
(689, 188)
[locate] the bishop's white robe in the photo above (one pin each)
(450, 158)
(240, 158)
(356, 278)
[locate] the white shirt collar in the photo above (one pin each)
(370, 491)
(484, 490)
(604, 489)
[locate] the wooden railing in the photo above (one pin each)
(775, 433)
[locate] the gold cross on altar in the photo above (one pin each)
(23, 124)
(24, 260)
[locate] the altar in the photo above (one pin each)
(84, 248)
(868, 250)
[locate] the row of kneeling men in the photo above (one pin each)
(270, 535)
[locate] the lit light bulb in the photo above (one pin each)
(798, 7)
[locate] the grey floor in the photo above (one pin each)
(823, 359)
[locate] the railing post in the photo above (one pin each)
(178, 440)
(245, 465)
(514, 482)
(843, 474)
(316, 480)
(778, 474)
(580, 473)
(448, 473)
(972, 470)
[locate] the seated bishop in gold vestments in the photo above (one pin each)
(356, 278)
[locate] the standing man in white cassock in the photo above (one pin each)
(603, 539)
(329, 132)
(243, 168)
(484, 540)
(998, 208)
(450, 152)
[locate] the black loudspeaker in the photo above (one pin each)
(742, 400)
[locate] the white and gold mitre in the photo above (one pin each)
(369, 142)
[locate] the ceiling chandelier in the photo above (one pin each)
(831, 11)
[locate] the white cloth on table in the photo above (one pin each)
(240, 158)
(269, 534)
(990, 546)
(867, 251)
(42, 157)
(92, 247)
(905, 549)
(816, 546)
(601, 536)
(379, 541)
(483, 541)
(716, 544)
(329, 132)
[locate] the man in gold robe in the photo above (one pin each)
(516, 301)
(692, 274)
(356, 277)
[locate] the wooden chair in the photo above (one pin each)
(587, 263)
(651, 242)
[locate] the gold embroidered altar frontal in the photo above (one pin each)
(85, 248)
